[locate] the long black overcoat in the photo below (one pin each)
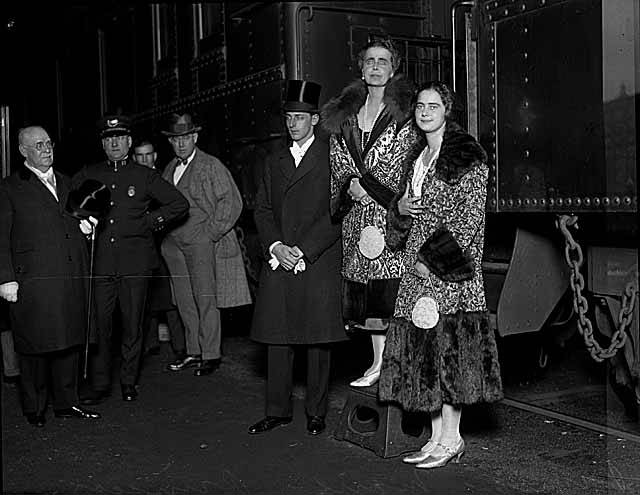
(42, 248)
(292, 206)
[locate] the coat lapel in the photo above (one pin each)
(287, 165)
(306, 165)
(41, 192)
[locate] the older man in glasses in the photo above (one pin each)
(43, 276)
(141, 203)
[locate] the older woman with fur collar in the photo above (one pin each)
(370, 135)
(441, 351)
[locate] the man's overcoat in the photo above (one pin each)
(42, 248)
(293, 206)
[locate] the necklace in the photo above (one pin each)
(363, 140)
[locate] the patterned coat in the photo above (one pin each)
(215, 205)
(378, 165)
(456, 361)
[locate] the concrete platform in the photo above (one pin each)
(187, 434)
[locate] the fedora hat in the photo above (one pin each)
(301, 96)
(91, 199)
(179, 125)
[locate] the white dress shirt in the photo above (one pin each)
(181, 167)
(298, 152)
(421, 170)
(48, 178)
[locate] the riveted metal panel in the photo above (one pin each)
(557, 140)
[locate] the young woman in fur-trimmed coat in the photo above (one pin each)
(371, 133)
(441, 352)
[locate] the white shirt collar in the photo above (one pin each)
(41, 175)
(298, 152)
(189, 158)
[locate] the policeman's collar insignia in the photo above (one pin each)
(112, 122)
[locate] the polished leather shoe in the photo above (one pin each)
(207, 367)
(182, 363)
(94, 397)
(36, 420)
(269, 423)
(76, 412)
(315, 425)
(129, 393)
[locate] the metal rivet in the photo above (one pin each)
(527, 178)
(577, 201)
(559, 201)
(526, 129)
(518, 202)
(551, 202)
(534, 201)
(616, 200)
(627, 200)
(526, 79)
(493, 189)
(543, 201)
(526, 29)
(526, 153)
(493, 202)
(568, 201)
(525, 55)
(596, 201)
(606, 201)
(502, 202)
(526, 104)
(526, 201)
(510, 202)
(587, 201)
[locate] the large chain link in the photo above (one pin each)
(575, 258)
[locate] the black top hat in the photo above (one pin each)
(301, 96)
(114, 125)
(91, 199)
(179, 125)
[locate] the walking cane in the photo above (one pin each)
(89, 303)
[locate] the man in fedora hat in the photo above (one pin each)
(203, 253)
(298, 301)
(141, 204)
(43, 276)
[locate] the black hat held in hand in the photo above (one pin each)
(91, 199)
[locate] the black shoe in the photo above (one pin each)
(207, 366)
(182, 363)
(269, 423)
(315, 425)
(94, 397)
(37, 420)
(76, 412)
(129, 393)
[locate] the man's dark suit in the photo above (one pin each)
(292, 206)
(42, 248)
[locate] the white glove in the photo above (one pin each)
(87, 226)
(9, 291)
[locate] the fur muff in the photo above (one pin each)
(442, 254)
(398, 97)
(454, 363)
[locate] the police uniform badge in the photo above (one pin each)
(131, 191)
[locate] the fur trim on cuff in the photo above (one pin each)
(343, 203)
(398, 227)
(445, 258)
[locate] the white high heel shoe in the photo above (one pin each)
(442, 455)
(366, 380)
(422, 454)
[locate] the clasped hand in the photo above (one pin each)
(356, 191)
(9, 291)
(410, 206)
(287, 256)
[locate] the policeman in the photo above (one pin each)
(125, 254)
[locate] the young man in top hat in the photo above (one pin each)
(298, 301)
(125, 254)
(43, 276)
(202, 253)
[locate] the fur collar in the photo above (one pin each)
(459, 154)
(398, 95)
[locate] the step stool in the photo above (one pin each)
(382, 427)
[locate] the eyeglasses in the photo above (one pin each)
(184, 138)
(41, 146)
(383, 63)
